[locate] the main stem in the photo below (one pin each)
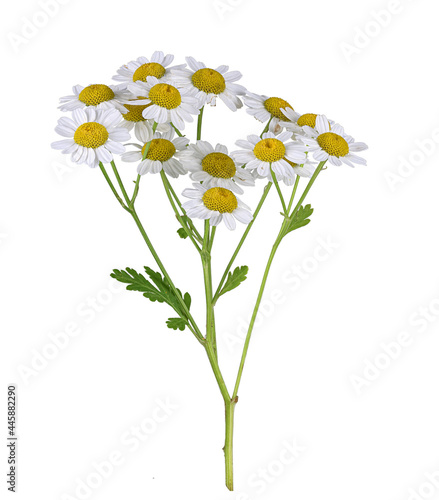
(228, 445)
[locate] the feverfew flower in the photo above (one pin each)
(97, 96)
(215, 168)
(332, 144)
(216, 204)
(164, 102)
(207, 84)
(278, 152)
(163, 154)
(142, 67)
(93, 136)
(265, 108)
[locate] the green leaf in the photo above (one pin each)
(161, 292)
(176, 323)
(182, 233)
(234, 279)
(300, 218)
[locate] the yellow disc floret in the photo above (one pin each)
(269, 150)
(307, 119)
(159, 150)
(333, 144)
(209, 81)
(91, 135)
(219, 165)
(135, 111)
(148, 69)
(220, 200)
(274, 105)
(165, 96)
(95, 94)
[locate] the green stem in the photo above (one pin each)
(228, 445)
(136, 191)
(293, 194)
(189, 220)
(241, 242)
(113, 189)
(182, 221)
(200, 123)
(212, 236)
(176, 130)
(207, 272)
(266, 127)
(279, 192)
(266, 272)
(119, 181)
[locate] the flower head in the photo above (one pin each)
(265, 108)
(97, 96)
(280, 153)
(207, 83)
(215, 168)
(163, 154)
(164, 102)
(142, 67)
(216, 204)
(92, 136)
(327, 142)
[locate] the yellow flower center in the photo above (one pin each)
(135, 112)
(148, 69)
(274, 105)
(91, 135)
(219, 165)
(220, 200)
(269, 150)
(209, 81)
(309, 119)
(333, 144)
(95, 94)
(160, 150)
(165, 96)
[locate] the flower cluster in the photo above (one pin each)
(155, 101)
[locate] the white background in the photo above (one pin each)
(62, 233)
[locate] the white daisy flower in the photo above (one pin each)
(215, 168)
(216, 204)
(297, 121)
(207, 84)
(164, 102)
(141, 68)
(332, 144)
(163, 154)
(133, 118)
(264, 108)
(284, 156)
(97, 96)
(93, 136)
